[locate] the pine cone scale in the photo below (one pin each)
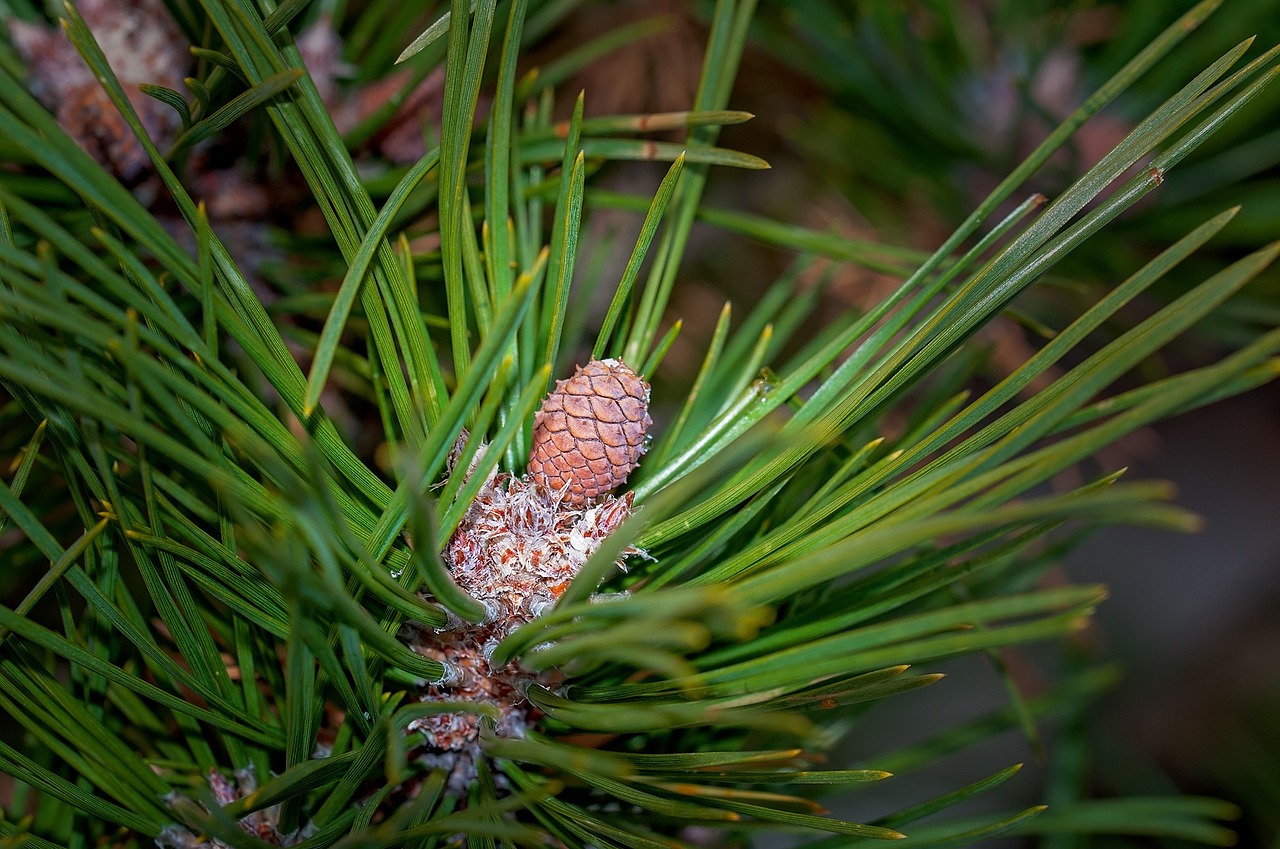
(607, 410)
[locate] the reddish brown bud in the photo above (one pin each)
(589, 434)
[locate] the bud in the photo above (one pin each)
(589, 434)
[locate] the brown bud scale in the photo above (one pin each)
(589, 434)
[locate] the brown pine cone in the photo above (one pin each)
(589, 434)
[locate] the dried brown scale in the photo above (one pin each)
(262, 824)
(590, 432)
(472, 681)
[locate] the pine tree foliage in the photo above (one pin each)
(231, 580)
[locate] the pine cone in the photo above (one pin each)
(589, 434)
